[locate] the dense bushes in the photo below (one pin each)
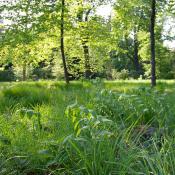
(120, 75)
(7, 75)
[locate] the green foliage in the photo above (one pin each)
(7, 75)
(27, 95)
(130, 132)
(122, 75)
(33, 38)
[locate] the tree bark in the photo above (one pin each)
(86, 60)
(84, 41)
(136, 56)
(24, 72)
(152, 40)
(86, 51)
(62, 42)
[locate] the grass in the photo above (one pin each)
(93, 128)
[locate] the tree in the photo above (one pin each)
(84, 11)
(21, 32)
(131, 17)
(62, 41)
(88, 43)
(152, 42)
(31, 24)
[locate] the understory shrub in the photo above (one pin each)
(7, 75)
(120, 75)
(144, 106)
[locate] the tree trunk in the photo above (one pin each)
(62, 43)
(84, 41)
(136, 56)
(86, 51)
(24, 72)
(86, 60)
(152, 39)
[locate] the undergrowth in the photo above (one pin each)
(91, 128)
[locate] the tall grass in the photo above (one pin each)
(87, 128)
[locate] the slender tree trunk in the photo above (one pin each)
(87, 67)
(152, 39)
(136, 56)
(62, 43)
(24, 72)
(84, 41)
(86, 60)
(86, 51)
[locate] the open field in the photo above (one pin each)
(87, 128)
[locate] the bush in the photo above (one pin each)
(123, 74)
(7, 75)
(42, 73)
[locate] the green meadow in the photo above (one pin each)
(88, 127)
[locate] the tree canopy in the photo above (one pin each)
(130, 43)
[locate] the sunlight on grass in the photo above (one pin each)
(60, 129)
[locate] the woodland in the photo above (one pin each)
(49, 39)
(87, 87)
